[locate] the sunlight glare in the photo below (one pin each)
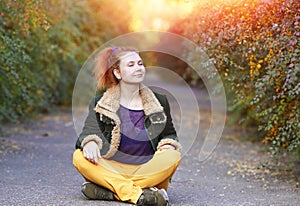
(158, 14)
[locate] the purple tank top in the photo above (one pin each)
(135, 146)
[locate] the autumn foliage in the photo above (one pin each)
(255, 46)
(43, 46)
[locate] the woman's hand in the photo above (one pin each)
(166, 147)
(91, 152)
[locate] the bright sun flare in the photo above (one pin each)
(158, 14)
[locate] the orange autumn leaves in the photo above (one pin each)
(255, 46)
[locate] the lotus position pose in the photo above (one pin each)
(128, 149)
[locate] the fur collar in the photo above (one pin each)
(111, 100)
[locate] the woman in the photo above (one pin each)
(128, 149)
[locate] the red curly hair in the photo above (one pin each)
(106, 61)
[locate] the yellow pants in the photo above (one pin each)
(125, 180)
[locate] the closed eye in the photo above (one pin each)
(131, 63)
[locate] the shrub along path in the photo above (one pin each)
(36, 168)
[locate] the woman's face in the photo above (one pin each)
(132, 69)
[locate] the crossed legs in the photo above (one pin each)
(127, 181)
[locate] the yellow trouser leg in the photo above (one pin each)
(106, 175)
(158, 170)
(164, 184)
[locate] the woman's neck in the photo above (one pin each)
(130, 96)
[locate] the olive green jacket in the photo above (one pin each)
(103, 124)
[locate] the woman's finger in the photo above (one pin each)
(85, 154)
(94, 159)
(98, 154)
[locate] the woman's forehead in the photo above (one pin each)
(130, 56)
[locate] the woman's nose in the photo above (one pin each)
(139, 67)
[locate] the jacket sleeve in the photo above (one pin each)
(91, 130)
(168, 135)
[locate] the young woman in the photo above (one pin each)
(128, 149)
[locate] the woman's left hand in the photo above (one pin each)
(166, 147)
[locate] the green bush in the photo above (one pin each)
(43, 46)
(255, 47)
(20, 90)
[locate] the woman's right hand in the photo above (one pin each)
(91, 152)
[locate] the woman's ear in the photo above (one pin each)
(117, 74)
